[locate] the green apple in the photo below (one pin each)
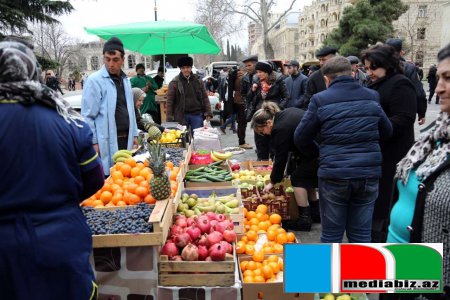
(328, 297)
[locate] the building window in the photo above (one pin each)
(302, 21)
(419, 58)
(322, 37)
(131, 61)
(322, 23)
(421, 33)
(422, 11)
(94, 63)
(296, 36)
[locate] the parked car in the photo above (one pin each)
(214, 68)
(74, 99)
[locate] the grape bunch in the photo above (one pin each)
(128, 220)
(175, 155)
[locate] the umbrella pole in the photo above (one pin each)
(164, 57)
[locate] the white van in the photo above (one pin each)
(218, 66)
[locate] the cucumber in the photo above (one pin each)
(213, 178)
(197, 180)
(217, 163)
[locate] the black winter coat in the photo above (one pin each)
(398, 100)
(277, 93)
(316, 84)
(411, 72)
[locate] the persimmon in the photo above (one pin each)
(149, 199)
(267, 271)
(259, 279)
(243, 265)
(262, 208)
(251, 265)
(106, 197)
(240, 247)
(126, 170)
(252, 235)
(275, 219)
(291, 237)
(258, 256)
(249, 249)
(131, 162)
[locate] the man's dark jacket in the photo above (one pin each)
(296, 88)
(316, 84)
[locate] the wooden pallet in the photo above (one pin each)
(161, 219)
(196, 273)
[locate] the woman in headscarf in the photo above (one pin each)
(48, 167)
(142, 124)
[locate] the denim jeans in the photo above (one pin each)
(231, 120)
(347, 205)
(193, 121)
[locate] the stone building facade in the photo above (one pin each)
(424, 29)
(316, 21)
(283, 37)
(254, 32)
(90, 59)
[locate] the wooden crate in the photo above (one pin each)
(196, 273)
(161, 219)
(203, 192)
(263, 163)
(189, 184)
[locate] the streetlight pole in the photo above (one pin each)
(156, 12)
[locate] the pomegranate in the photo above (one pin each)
(217, 252)
(220, 217)
(214, 237)
(211, 216)
(182, 239)
(203, 224)
(169, 249)
(222, 226)
(181, 222)
(229, 236)
(175, 230)
(176, 258)
(194, 232)
(227, 246)
(190, 253)
(213, 223)
(191, 221)
(203, 241)
(202, 252)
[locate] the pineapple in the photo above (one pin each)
(159, 184)
(153, 133)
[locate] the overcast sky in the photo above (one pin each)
(95, 13)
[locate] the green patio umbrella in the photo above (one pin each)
(161, 37)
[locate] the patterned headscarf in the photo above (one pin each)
(429, 152)
(19, 81)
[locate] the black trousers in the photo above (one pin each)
(262, 143)
(242, 122)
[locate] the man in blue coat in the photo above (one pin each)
(296, 84)
(351, 122)
(108, 107)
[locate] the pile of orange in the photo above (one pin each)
(128, 184)
(259, 221)
(263, 270)
(276, 237)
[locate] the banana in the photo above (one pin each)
(120, 159)
(222, 156)
(119, 154)
(126, 151)
(214, 158)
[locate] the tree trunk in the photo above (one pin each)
(268, 49)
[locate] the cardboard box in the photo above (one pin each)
(161, 219)
(268, 290)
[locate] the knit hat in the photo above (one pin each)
(137, 93)
(113, 44)
(264, 66)
(395, 43)
(185, 61)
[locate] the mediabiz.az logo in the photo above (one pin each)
(363, 268)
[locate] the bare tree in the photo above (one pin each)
(218, 19)
(414, 25)
(260, 13)
(54, 43)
